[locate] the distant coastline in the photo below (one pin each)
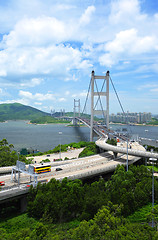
(69, 123)
(135, 124)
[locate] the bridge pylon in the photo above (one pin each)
(99, 94)
(76, 110)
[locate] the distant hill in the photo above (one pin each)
(17, 111)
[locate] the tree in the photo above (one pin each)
(39, 232)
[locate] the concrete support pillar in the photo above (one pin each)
(76, 105)
(115, 154)
(23, 204)
(12, 175)
(74, 122)
(19, 178)
(79, 107)
(15, 175)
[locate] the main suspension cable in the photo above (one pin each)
(120, 102)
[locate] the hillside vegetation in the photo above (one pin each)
(48, 119)
(17, 111)
(154, 121)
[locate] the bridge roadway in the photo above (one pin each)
(103, 132)
(134, 148)
(72, 169)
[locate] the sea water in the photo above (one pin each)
(46, 137)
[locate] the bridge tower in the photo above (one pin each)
(104, 111)
(76, 110)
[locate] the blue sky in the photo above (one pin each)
(49, 48)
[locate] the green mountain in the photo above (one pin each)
(17, 111)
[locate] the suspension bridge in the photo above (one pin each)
(103, 131)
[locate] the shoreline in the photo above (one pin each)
(136, 124)
(68, 124)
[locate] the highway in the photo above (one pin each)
(72, 169)
(78, 168)
(134, 148)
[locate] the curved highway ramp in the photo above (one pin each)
(134, 148)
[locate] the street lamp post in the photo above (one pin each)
(145, 158)
(60, 133)
(152, 160)
(18, 170)
(127, 154)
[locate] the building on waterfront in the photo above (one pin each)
(130, 117)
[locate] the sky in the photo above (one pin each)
(49, 48)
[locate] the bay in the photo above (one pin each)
(46, 137)
(41, 137)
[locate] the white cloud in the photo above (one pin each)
(87, 15)
(44, 97)
(32, 83)
(25, 94)
(62, 99)
(71, 78)
(36, 32)
(125, 12)
(37, 96)
(64, 7)
(3, 73)
(80, 94)
(67, 93)
(148, 86)
(126, 44)
(83, 93)
(154, 90)
(41, 60)
(38, 103)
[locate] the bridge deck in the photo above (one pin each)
(72, 169)
(135, 150)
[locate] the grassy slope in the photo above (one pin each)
(141, 215)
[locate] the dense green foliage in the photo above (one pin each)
(17, 228)
(48, 119)
(8, 157)
(70, 199)
(149, 147)
(112, 142)
(154, 121)
(144, 214)
(17, 111)
(132, 188)
(45, 161)
(89, 150)
(106, 224)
